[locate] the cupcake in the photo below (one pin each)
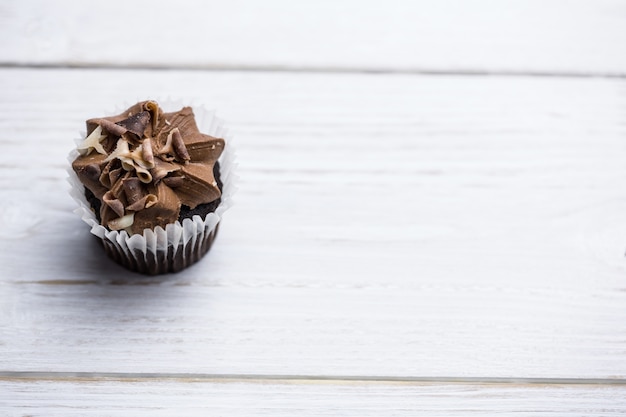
(152, 187)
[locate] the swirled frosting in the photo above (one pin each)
(145, 164)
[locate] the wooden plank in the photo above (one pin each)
(539, 36)
(245, 398)
(385, 225)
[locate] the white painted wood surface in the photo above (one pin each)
(401, 244)
(563, 36)
(385, 226)
(269, 398)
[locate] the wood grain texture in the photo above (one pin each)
(385, 225)
(536, 36)
(266, 398)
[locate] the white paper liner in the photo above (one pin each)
(179, 245)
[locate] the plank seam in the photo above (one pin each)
(207, 377)
(315, 70)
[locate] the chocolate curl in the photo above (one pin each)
(179, 145)
(92, 142)
(153, 108)
(110, 174)
(114, 175)
(162, 169)
(132, 189)
(121, 151)
(122, 222)
(127, 164)
(150, 200)
(112, 128)
(136, 123)
(136, 196)
(166, 150)
(116, 205)
(104, 177)
(143, 174)
(146, 153)
(145, 202)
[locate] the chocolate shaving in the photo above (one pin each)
(136, 123)
(132, 189)
(104, 176)
(122, 222)
(146, 152)
(165, 152)
(116, 205)
(115, 174)
(153, 108)
(143, 174)
(162, 169)
(112, 128)
(146, 201)
(179, 145)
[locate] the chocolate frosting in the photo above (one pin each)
(144, 164)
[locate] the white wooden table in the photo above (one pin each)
(431, 215)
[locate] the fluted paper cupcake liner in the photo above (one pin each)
(179, 245)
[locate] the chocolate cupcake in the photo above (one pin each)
(152, 187)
